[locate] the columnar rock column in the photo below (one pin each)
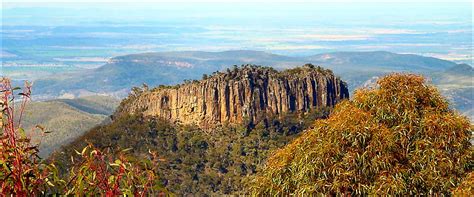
(241, 94)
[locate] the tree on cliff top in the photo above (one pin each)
(397, 138)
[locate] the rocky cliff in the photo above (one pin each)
(241, 93)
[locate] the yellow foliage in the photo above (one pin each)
(466, 188)
(399, 138)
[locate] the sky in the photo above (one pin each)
(49, 3)
(221, 1)
(442, 29)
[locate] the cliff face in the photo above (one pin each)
(241, 93)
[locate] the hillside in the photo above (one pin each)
(381, 60)
(457, 84)
(66, 119)
(103, 105)
(163, 68)
(358, 67)
(214, 160)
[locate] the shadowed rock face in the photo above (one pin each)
(242, 93)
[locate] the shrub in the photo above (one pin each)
(24, 173)
(21, 170)
(99, 174)
(398, 138)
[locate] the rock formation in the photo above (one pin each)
(240, 93)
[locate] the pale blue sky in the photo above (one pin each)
(442, 29)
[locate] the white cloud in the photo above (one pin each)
(451, 56)
(333, 37)
(388, 46)
(296, 47)
(57, 3)
(391, 31)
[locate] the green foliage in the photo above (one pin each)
(193, 160)
(303, 71)
(399, 138)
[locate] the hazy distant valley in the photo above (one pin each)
(358, 69)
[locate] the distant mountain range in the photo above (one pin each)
(168, 68)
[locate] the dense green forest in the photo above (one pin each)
(192, 160)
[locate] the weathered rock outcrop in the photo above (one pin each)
(242, 93)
